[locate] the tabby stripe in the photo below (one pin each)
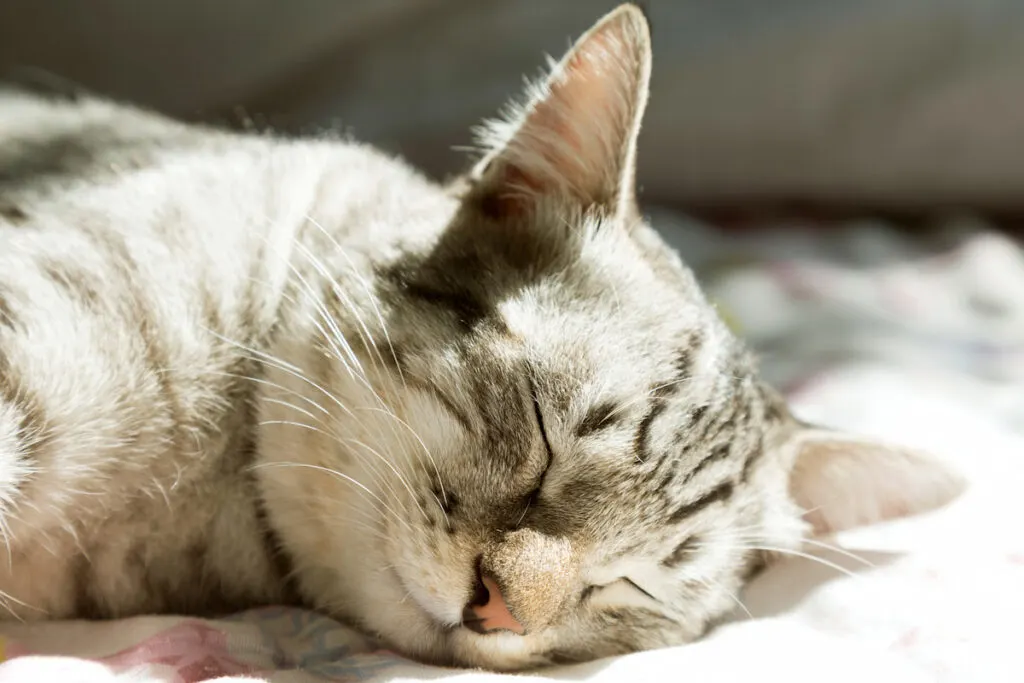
(74, 284)
(120, 259)
(717, 454)
(683, 552)
(641, 441)
(720, 493)
(279, 556)
(752, 459)
(468, 310)
(685, 356)
(600, 417)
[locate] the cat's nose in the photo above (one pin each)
(486, 611)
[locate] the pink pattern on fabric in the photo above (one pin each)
(196, 652)
(908, 640)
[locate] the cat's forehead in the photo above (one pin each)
(610, 318)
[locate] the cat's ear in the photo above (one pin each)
(844, 481)
(576, 136)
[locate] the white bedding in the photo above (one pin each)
(921, 342)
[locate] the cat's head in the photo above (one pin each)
(565, 454)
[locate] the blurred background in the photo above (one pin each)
(894, 104)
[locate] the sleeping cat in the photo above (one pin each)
(493, 423)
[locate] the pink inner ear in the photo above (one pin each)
(846, 482)
(574, 139)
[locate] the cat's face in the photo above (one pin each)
(554, 449)
(597, 452)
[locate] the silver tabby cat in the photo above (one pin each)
(493, 423)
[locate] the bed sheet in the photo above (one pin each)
(916, 340)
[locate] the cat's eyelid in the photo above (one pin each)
(638, 588)
(540, 423)
(590, 590)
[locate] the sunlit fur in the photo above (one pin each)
(238, 370)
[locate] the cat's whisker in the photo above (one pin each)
(6, 599)
(348, 441)
(713, 583)
(738, 534)
(386, 410)
(286, 404)
(288, 368)
(343, 441)
(371, 298)
(336, 335)
(796, 553)
(361, 378)
(7, 515)
(839, 551)
(361, 329)
(279, 387)
(320, 306)
(397, 473)
(419, 440)
(343, 477)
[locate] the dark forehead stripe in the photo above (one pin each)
(468, 310)
(600, 417)
(423, 286)
(658, 404)
(682, 366)
(475, 264)
(718, 453)
(719, 493)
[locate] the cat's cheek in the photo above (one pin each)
(436, 570)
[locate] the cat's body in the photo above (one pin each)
(238, 370)
(128, 242)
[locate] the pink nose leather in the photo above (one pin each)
(493, 615)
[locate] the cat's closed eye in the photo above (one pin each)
(534, 496)
(624, 582)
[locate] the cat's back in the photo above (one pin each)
(138, 257)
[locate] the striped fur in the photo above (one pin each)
(239, 370)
